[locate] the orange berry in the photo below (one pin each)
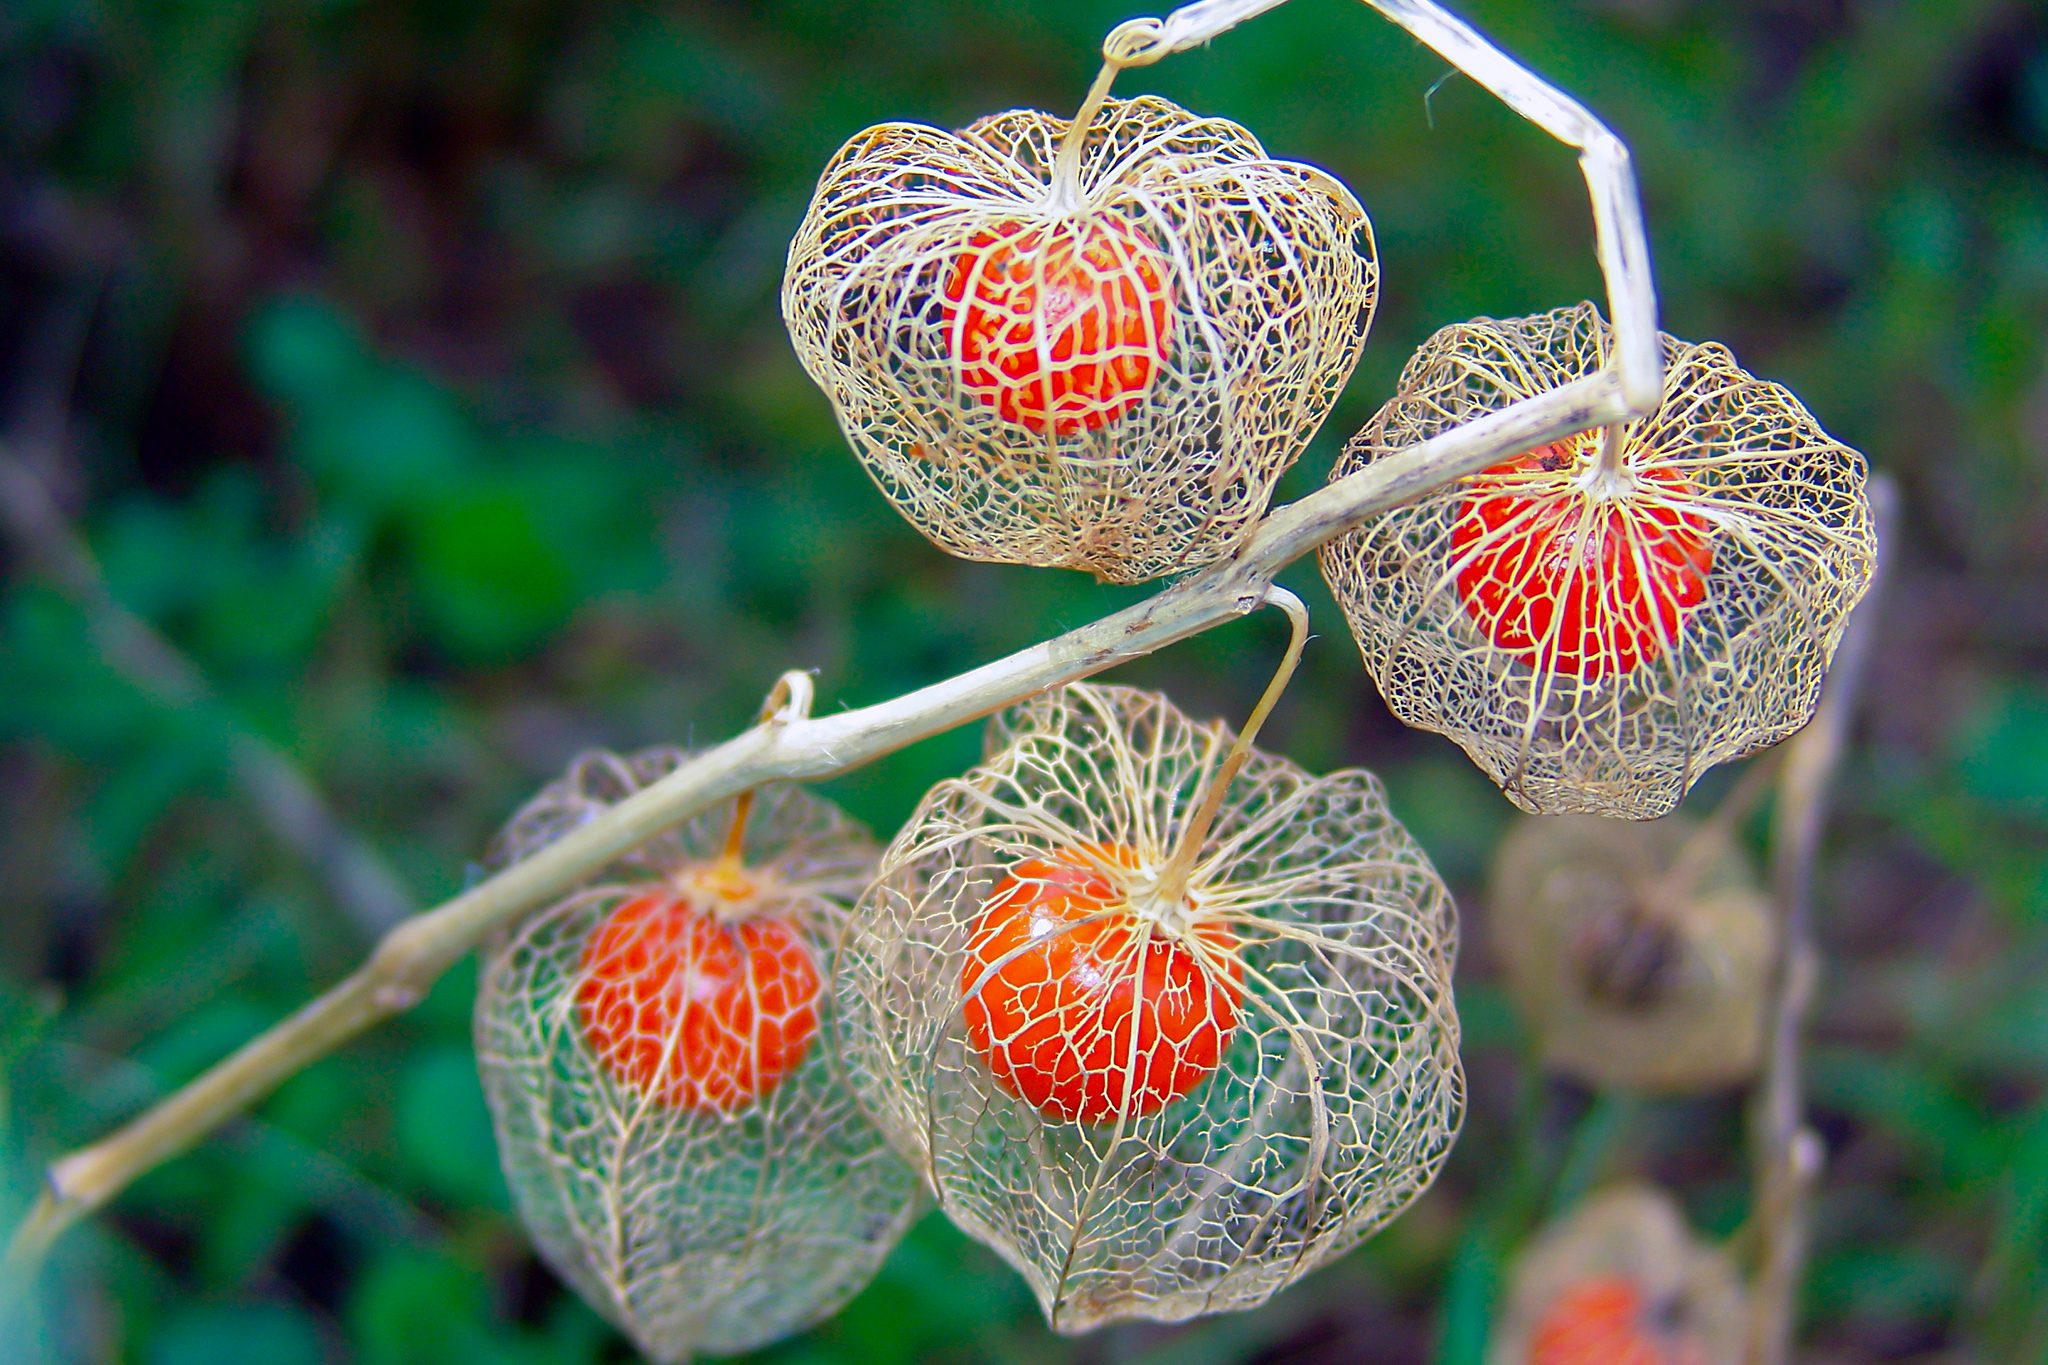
(1601, 1322)
(1072, 1015)
(696, 1012)
(1581, 585)
(1063, 325)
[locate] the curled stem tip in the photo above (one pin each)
(790, 698)
(1135, 42)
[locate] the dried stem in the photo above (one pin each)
(789, 698)
(736, 837)
(1620, 238)
(792, 746)
(1787, 1153)
(1613, 476)
(1173, 878)
(1066, 171)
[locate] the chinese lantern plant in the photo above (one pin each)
(1639, 954)
(1084, 1009)
(1600, 619)
(1563, 578)
(1060, 327)
(1094, 343)
(1160, 1076)
(1621, 1281)
(1164, 1020)
(671, 1124)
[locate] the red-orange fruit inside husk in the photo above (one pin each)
(1581, 585)
(694, 1011)
(1080, 1011)
(1603, 1322)
(1058, 325)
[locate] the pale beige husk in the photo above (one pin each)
(1271, 277)
(1635, 1232)
(689, 1228)
(1793, 551)
(1338, 1096)
(1640, 954)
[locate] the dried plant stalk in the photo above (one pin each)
(694, 1217)
(1621, 1280)
(1603, 618)
(1299, 1083)
(1106, 368)
(1639, 953)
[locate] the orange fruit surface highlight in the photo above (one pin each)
(1082, 1013)
(1578, 584)
(1060, 326)
(1602, 1322)
(693, 1011)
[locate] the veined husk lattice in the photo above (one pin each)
(1234, 295)
(691, 1228)
(1677, 664)
(1639, 953)
(1335, 1099)
(1629, 1243)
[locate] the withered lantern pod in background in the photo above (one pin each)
(1640, 955)
(1622, 1280)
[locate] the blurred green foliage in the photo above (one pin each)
(414, 370)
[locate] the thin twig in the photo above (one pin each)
(1787, 1152)
(277, 792)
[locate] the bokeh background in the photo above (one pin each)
(395, 403)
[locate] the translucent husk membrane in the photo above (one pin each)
(1338, 1090)
(1626, 1248)
(1639, 953)
(692, 1227)
(1741, 537)
(928, 292)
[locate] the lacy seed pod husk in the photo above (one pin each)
(1640, 954)
(1597, 638)
(1107, 375)
(1621, 1279)
(1155, 1105)
(676, 1132)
